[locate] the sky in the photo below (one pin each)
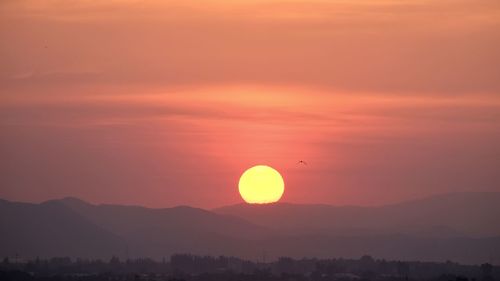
(165, 103)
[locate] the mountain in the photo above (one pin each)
(71, 227)
(51, 229)
(432, 229)
(450, 215)
(160, 232)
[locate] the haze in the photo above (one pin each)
(167, 102)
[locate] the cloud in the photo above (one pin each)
(446, 47)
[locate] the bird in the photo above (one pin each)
(302, 162)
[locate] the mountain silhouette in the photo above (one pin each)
(448, 215)
(159, 232)
(51, 229)
(446, 227)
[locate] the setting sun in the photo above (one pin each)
(261, 185)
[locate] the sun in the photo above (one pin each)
(261, 185)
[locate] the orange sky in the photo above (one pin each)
(167, 102)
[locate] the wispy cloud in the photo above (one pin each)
(429, 47)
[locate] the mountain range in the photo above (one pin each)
(447, 215)
(461, 227)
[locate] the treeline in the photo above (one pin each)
(200, 268)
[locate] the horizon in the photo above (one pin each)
(438, 195)
(466, 230)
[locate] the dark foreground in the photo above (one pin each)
(196, 268)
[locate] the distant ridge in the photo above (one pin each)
(438, 196)
(467, 214)
(459, 227)
(50, 229)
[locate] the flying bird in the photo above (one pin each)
(302, 162)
